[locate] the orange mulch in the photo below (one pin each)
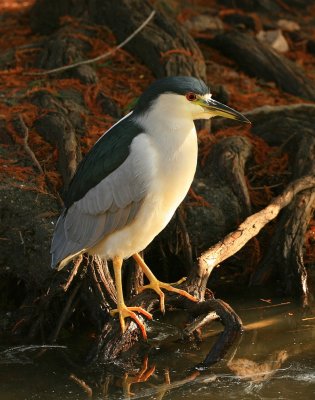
(15, 5)
(120, 77)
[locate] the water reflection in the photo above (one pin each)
(275, 359)
(24, 354)
(258, 371)
(142, 376)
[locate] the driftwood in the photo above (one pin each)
(259, 60)
(254, 223)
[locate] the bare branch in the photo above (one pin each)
(252, 225)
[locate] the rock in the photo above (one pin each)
(204, 22)
(289, 26)
(274, 39)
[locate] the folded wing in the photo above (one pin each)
(106, 192)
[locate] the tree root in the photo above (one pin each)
(111, 344)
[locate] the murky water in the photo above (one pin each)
(275, 359)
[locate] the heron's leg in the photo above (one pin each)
(157, 285)
(122, 309)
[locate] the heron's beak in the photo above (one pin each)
(221, 110)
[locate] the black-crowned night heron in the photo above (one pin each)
(127, 188)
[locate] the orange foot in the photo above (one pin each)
(125, 312)
(157, 285)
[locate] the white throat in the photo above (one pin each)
(169, 121)
(171, 129)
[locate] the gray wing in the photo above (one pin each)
(108, 206)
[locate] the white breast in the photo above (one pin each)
(176, 168)
(172, 176)
(170, 152)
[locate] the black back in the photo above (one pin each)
(105, 156)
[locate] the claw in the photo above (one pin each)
(180, 281)
(125, 312)
(157, 285)
(122, 309)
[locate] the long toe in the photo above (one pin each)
(129, 312)
(157, 285)
(182, 292)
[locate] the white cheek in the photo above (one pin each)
(199, 112)
(194, 109)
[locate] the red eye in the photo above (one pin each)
(191, 96)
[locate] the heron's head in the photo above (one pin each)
(183, 96)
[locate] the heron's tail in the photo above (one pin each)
(62, 249)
